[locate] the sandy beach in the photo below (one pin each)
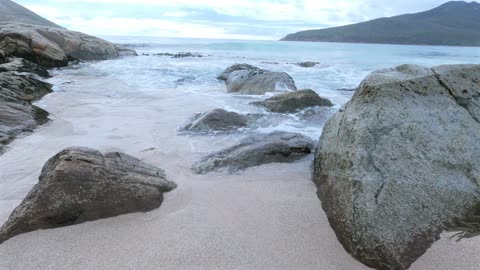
(268, 217)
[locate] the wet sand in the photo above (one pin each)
(264, 218)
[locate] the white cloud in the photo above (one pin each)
(174, 17)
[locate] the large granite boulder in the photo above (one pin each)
(281, 147)
(17, 114)
(81, 184)
(53, 47)
(400, 161)
(216, 120)
(294, 101)
(247, 79)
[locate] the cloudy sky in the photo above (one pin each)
(242, 19)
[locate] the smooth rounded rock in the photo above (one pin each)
(401, 161)
(294, 101)
(81, 184)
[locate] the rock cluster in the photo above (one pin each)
(17, 91)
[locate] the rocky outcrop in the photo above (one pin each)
(3, 57)
(19, 65)
(53, 47)
(247, 79)
(256, 150)
(81, 184)
(226, 73)
(216, 121)
(400, 161)
(294, 101)
(17, 114)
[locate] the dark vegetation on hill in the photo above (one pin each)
(455, 23)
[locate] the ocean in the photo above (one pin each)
(266, 217)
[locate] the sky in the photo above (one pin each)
(229, 19)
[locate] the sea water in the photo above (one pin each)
(265, 217)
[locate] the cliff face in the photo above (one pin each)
(454, 23)
(13, 12)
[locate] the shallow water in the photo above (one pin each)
(264, 218)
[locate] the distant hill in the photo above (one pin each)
(455, 23)
(13, 12)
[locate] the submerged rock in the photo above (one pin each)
(247, 79)
(226, 73)
(124, 50)
(17, 114)
(259, 82)
(179, 55)
(294, 101)
(53, 47)
(80, 184)
(307, 64)
(256, 150)
(216, 120)
(400, 161)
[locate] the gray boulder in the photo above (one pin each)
(215, 121)
(256, 150)
(259, 82)
(294, 101)
(226, 73)
(53, 47)
(400, 161)
(247, 79)
(80, 184)
(17, 114)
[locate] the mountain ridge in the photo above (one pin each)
(13, 12)
(454, 23)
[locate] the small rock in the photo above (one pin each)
(294, 101)
(281, 147)
(215, 121)
(307, 64)
(80, 184)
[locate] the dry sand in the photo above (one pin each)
(264, 218)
